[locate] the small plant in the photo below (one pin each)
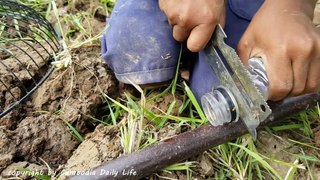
(185, 166)
(39, 5)
(132, 129)
(74, 132)
(239, 159)
(109, 4)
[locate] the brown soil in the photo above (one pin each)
(23, 69)
(25, 54)
(40, 131)
(35, 133)
(36, 130)
(101, 146)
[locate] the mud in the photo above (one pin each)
(36, 133)
(21, 70)
(43, 136)
(99, 147)
(27, 46)
(277, 148)
(161, 105)
(73, 95)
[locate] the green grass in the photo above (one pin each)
(185, 166)
(239, 159)
(39, 5)
(74, 131)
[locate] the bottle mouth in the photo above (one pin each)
(220, 106)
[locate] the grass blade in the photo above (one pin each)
(195, 103)
(259, 159)
(74, 132)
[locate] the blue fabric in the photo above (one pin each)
(239, 14)
(138, 44)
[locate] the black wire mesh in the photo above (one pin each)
(28, 43)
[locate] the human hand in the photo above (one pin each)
(282, 34)
(194, 21)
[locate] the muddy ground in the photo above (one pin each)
(36, 129)
(36, 134)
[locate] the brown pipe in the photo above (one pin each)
(154, 158)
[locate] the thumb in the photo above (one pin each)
(244, 48)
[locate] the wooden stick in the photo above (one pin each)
(179, 148)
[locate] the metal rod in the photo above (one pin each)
(37, 85)
(25, 13)
(154, 158)
(22, 23)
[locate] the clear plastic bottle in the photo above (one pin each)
(220, 107)
(258, 75)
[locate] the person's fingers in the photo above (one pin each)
(280, 74)
(245, 47)
(302, 52)
(180, 33)
(200, 36)
(163, 4)
(172, 15)
(313, 81)
(278, 65)
(185, 74)
(300, 73)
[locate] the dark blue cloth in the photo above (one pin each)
(138, 44)
(239, 14)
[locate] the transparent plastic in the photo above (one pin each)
(216, 108)
(258, 75)
(215, 105)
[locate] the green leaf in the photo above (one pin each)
(259, 159)
(76, 134)
(195, 103)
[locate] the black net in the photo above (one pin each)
(28, 44)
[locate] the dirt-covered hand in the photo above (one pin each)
(193, 21)
(282, 34)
